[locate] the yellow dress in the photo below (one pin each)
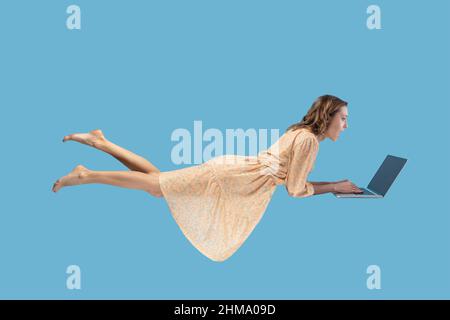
(217, 204)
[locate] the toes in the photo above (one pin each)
(57, 185)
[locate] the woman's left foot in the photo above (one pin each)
(72, 179)
(94, 138)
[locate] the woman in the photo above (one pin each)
(218, 204)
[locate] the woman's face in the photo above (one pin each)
(338, 124)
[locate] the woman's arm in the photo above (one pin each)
(323, 187)
(343, 186)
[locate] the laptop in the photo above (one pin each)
(381, 181)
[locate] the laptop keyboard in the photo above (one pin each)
(365, 192)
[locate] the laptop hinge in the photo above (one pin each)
(374, 192)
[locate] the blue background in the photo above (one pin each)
(141, 69)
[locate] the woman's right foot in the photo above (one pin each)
(93, 138)
(72, 179)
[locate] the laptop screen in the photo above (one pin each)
(386, 174)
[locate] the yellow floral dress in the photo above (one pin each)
(217, 204)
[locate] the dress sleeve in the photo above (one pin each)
(303, 156)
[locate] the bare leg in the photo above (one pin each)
(148, 182)
(96, 139)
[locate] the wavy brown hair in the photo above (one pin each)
(319, 114)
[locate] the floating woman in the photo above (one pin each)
(217, 204)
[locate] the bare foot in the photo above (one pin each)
(93, 138)
(72, 179)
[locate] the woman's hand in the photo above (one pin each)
(346, 186)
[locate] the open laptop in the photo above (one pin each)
(381, 181)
